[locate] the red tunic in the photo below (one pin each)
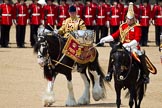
(35, 13)
(133, 34)
(145, 13)
(89, 15)
(108, 11)
(79, 10)
(157, 15)
(63, 13)
(21, 13)
(7, 14)
(121, 7)
(49, 14)
(93, 5)
(101, 15)
(115, 16)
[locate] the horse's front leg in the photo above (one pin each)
(140, 95)
(71, 99)
(132, 96)
(118, 94)
(48, 97)
(85, 98)
(98, 91)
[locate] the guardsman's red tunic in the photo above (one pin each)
(134, 33)
(49, 14)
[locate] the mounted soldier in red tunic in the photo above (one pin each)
(129, 34)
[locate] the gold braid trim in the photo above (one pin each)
(124, 33)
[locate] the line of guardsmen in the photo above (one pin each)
(97, 16)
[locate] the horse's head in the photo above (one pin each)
(40, 47)
(47, 45)
(121, 60)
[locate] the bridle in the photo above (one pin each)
(59, 58)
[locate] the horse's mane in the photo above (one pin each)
(45, 37)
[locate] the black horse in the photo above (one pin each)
(49, 46)
(127, 75)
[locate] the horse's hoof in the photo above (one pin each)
(48, 99)
(47, 104)
(97, 94)
(84, 101)
(71, 102)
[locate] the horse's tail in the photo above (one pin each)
(95, 66)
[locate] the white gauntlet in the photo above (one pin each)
(107, 39)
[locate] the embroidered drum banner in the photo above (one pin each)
(78, 52)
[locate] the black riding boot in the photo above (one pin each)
(108, 77)
(144, 69)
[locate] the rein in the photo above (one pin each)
(58, 61)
